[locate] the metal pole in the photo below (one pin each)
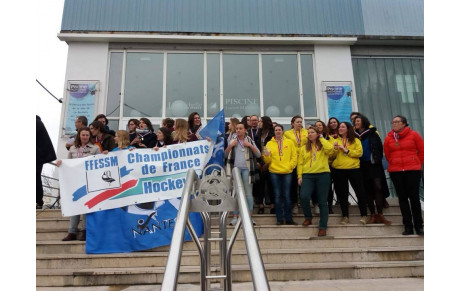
(255, 259)
(175, 250)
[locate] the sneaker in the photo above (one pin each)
(322, 232)
(37, 206)
(316, 210)
(363, 220)
(279, 223)
(291, 222)
(344, 220)
(295, 210)
(330, 210)
(253, 222)
(233, 222)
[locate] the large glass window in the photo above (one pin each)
(143, 85)
(184, 84)
(241, 85)
(281, 85)
(114, 88)
(308, 86)
(386, 87)
(213, 84)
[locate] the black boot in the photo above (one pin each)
(83, 235)
(419, 230)
(408, 230)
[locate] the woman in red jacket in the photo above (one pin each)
(403, 149)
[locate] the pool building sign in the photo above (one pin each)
(339, 100)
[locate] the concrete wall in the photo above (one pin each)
(332, 64)
(85, 61)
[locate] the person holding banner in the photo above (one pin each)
(83, 147)
(299, 136)
(347, 151)
(313, 176)
(281, 155)
(133, 124)
(146, 137)
(194, 126)
(180, 134)
(242, 153)
(164, 138)
(102, 139)
(122, 140)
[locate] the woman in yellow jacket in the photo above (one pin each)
(281, 155)
(347, 151)
(313, 176)
(299, 136)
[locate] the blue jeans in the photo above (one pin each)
(74, 220)
(281, 184)
(247, 190)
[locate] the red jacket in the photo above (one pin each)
(407, 155)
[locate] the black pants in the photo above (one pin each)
(330, 196)
(295, 188)
(265, 189)
(39, 187)
(341, 178)
(407, 188)
(372, 178)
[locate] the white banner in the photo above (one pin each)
(125, 177)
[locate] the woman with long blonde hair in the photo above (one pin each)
(122, 140)
(180, 134)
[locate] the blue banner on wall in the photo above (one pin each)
(339, 102)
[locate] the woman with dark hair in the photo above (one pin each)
(146, 137)
(194, 125)
(347, 151)
(280, 154)
(164, 138)
(299, 136)
(103, 119)
(133, 124)
(168, 123)
(180, 134)
(82, 147)
(404, 150)
(313, 176)
(267, 133)
(245, 121)
(333, 127)
(102, 139)
(371, 167)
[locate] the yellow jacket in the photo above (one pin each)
(289, 134)
(281, 164)
(348, 161)
(309, 164)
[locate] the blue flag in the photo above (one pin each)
(215, 129)
(135, 227)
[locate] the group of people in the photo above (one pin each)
(278, 166)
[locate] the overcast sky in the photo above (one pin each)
(52, 58)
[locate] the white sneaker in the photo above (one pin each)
(233, 222)
(253, 222)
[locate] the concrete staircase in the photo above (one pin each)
(290, 252)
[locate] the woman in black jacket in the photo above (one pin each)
(146, 137)
(371, 167)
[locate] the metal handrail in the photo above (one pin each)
(171, 273)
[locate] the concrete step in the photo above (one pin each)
(260, 219)
(394, 208)
(239, 257)
(286, 242)
(240, 273)
(354, 228)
